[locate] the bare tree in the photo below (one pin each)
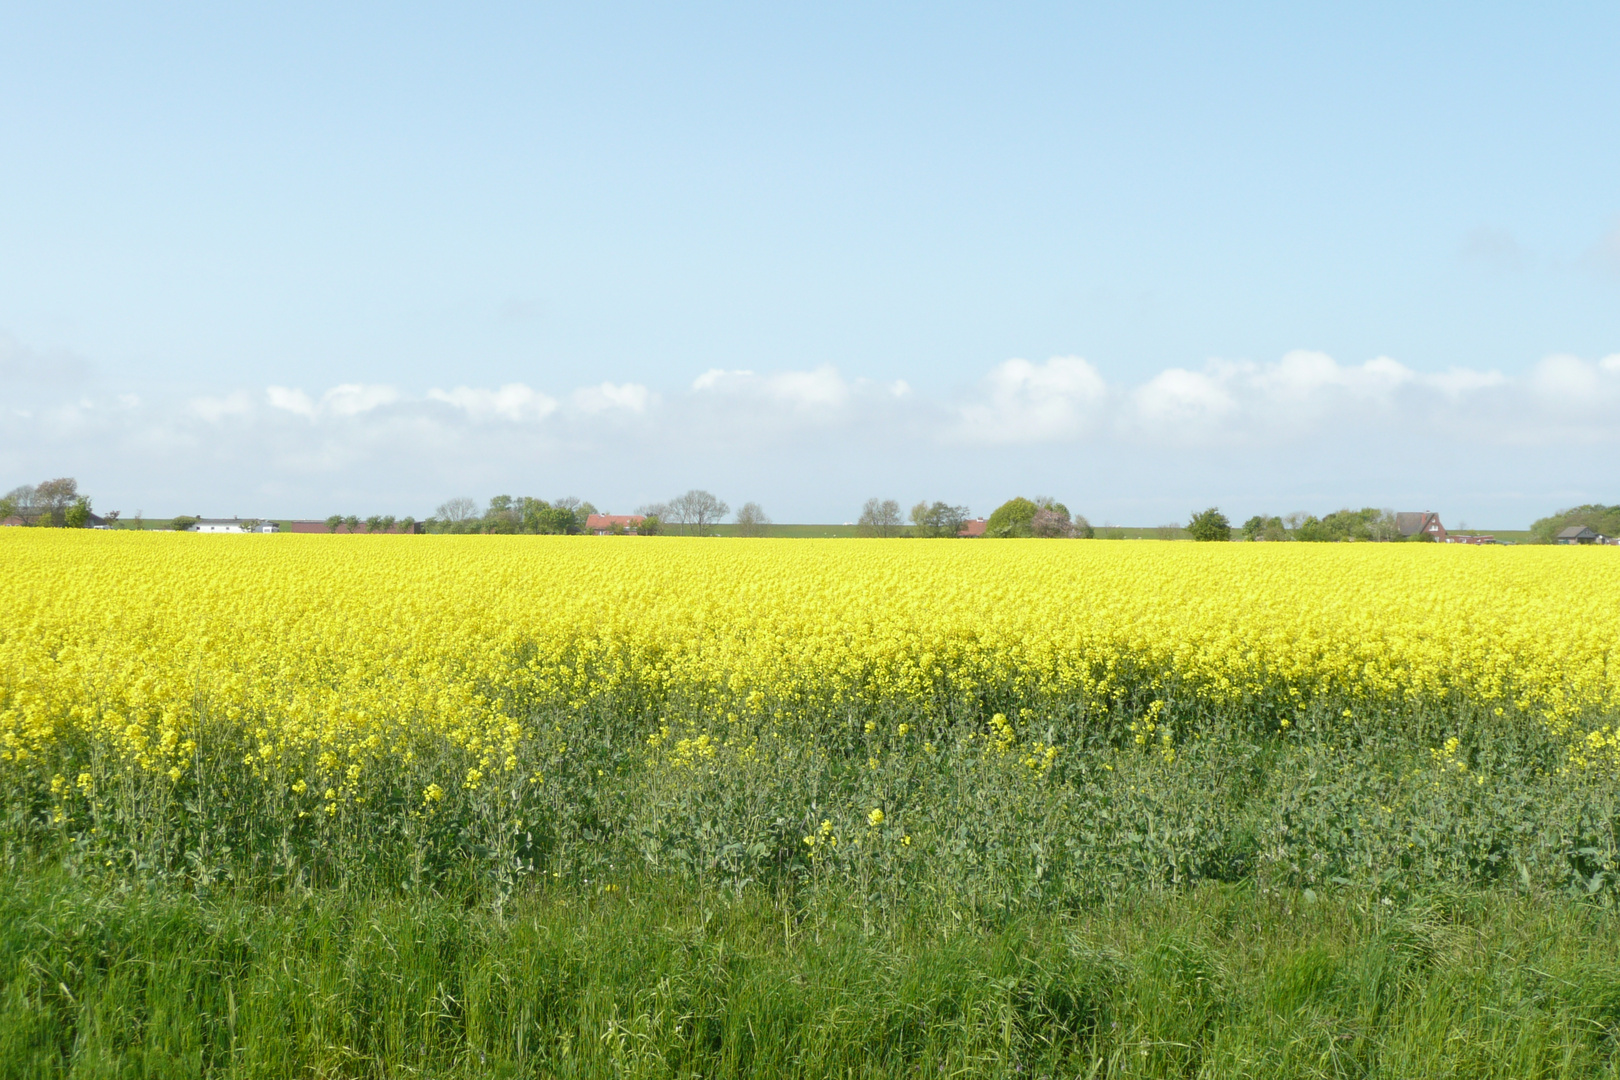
(879, 517)
(698, 510)
(751, 520)
(47, 504)
(457, 510)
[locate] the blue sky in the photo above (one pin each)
(291, 260)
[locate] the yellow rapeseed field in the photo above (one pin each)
(327, 646)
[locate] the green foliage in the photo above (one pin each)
(1209, 525)
(1595, 516)
(1011, 518)
(1264, 528)
(77, 515)
(938, 520)
(183, 522)
(1368, 523)
(334, 522)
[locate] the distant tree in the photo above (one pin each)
(110, 517)
(77, 515)
(938, 519)
(1260, 528)
(879, 517)
(1042, 516)
(8, 506)
(407, 524)
(48, 503)
(1012, 518)
(457, 511)
(1383, 528)
(752, 521)
(251, 524)
(139, 521)
(374, 523)
(351, 522)
(184, 523)
(333, 522)
(388, 522)
(23, 503)
(650, 525)
(1344, 525)
(698, 511)
(1210, 524)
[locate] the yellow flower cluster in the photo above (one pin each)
(342, 648)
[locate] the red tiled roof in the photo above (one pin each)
(608, 521)
(973, 528)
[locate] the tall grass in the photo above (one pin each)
(662, 979)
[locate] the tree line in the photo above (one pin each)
(58, 503)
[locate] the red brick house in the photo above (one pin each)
(972, 528)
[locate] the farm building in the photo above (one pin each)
(1411, 523)
(1579, 534)
(972, 528)
(608, 524)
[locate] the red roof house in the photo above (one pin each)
(972, 528)
(608, 524)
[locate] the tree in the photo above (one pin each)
(1012, 518)
(388, 523)
(698, 510)
(1053, 522)
(1209, 525)
(251, 524)
(48, 503)
(374, 523)
(650, 525)
(111, 518)
(457, 511)
(938, 519)
(77, 515)
(879, 518)
(1262, 528)
(333, 522)
(751, 520)
(352, 523)
(8, 506)
(407, 524)
(184, 523)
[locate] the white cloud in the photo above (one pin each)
(1028, 402)
(822, 388)
(347, 399)
(213, 410)
(293, 401)
(609, 397)
(513, 401)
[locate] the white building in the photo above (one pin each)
(234, 525)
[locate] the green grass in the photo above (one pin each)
(659, 979)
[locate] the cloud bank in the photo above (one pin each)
(1303, 419)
